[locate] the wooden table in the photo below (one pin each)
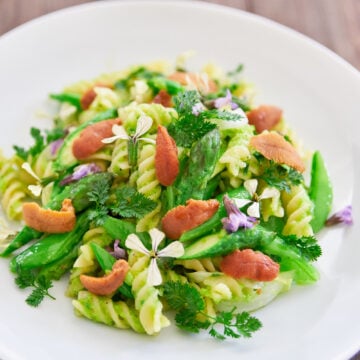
(333, 23)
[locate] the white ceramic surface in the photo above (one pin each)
(319, 93)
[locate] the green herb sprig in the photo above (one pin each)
(40, 285)
(188, 128)
(40, 142)
(125, 202)
(307, 245)
(190, 316)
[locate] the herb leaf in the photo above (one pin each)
(279, 176)
(99, 195)
(189, 304)
(189, 127)
(221, 115)
(234, 325)
(130, 203)
(307, 245)
(39, 142)
(40, 285)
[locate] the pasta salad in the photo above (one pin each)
(162, 190)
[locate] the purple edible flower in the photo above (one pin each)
(80, 172)
(55, 145)
(118, 253)
(224, 101)
(197, 108)
(343, 216)
(236, 219)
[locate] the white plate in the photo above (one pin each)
(319, 93)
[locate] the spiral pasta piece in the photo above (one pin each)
(298, 210)
(85, 262)
(206, 264)
(147, 184)
(102, 157)
(147, 301)
(234, 162)
(119, 159)
(158, 113)
(106, 311)
(12, 188)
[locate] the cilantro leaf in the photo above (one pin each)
(130, 203)
(307, 245)
(40, 285)
(189, 127)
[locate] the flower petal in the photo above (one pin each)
(118, 253)
(157, 237)
(154, 276)
(343, 216)
(241, 202)
(147, 140)
(119, 133)
(197, 108)
(269, 193)
(134, 243)
(254, 210)
(26, 166)
(35, 190)
(174, 249)
(143, 125)
(80, 172)
(223, 101)
(251, 186)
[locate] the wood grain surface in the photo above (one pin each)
(333, 23)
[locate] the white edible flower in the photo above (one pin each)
(143, 125)
(254, 209)
(174, 249)
(34, 189)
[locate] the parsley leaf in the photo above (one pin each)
(190, 305)
(130, 203)
(40, 285)
(189, 127)
(307, 245)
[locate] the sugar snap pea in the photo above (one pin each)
(52, 247)
(77, 192)
(320, 192)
